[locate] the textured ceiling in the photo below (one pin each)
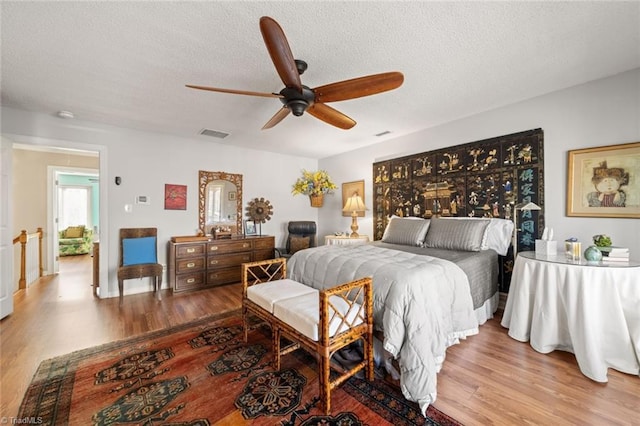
(126, 63)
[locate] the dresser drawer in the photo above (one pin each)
(226, 260)
(190, 264)
(263, 254)
(189, 250)
(228, 246)
(224, 275)
(190, 281)
(264, 243)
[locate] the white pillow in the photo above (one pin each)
(498, 236)
(408, 231)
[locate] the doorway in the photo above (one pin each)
(75, 202)
(35, 161)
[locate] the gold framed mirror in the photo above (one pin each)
(219, 201)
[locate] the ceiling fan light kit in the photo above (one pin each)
(297, 98)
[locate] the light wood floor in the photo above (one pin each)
(488, 379)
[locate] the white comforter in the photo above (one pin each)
(423, 304)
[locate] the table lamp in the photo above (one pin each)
(354, 205)
(522, 206)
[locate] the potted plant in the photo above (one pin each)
(315, 185)
(603, 243)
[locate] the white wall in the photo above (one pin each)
(147, 161)
(603, 112)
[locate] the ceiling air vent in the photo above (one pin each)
(214, 133)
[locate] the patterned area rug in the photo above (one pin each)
(202, 373)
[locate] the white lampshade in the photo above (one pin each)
(528, 206)
(354, 204)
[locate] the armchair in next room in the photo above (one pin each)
(75, 240)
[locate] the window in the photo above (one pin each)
(74, 206)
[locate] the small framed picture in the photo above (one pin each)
(232, 195)
(249, 227)
(349, 189)
(175, 197)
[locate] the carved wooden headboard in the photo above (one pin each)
(486, 178)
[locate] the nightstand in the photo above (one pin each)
(589, 309)
(344, 240)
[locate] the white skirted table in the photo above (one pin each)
(591, 310)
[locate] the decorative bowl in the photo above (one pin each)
(592, 254)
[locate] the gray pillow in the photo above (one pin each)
(456, 234)
(405, 231)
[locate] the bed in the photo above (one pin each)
(434, 282)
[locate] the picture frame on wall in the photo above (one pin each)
(350, 188)
(175, 197)
(250, 227)
(604, 181)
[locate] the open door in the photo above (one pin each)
(6, 240)
(67, 210)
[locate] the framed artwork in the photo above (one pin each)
(232, 195)
(350, 188)
(175, 197)
(604, 181)
(249, 227)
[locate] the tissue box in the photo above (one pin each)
(546, 248)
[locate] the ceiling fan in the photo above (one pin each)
(298, 98)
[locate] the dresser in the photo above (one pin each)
(195, 265)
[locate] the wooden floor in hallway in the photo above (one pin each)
(487, 379)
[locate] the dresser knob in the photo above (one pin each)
(214, 262)
(191, 265)
(246, 245)
(191, 280)
(213, 248)
(191, 250)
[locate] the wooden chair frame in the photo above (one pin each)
(359, 327)
(128, 272)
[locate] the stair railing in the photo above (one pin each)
(23, 239)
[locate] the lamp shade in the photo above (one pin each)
(354, 204)
(528, 206)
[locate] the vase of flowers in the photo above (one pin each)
(315, 185)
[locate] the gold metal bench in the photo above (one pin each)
(321, 322)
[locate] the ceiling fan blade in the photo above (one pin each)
(331, 116)
(359, 87)
(236, 92)
(280, 52)
(278, 117)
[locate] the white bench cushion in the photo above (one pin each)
(303, 314)
(266, 294)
